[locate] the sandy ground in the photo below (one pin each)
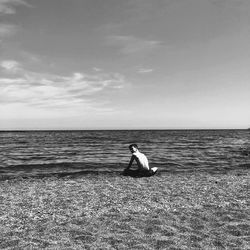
(166, 211)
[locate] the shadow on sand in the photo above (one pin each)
(137, 173)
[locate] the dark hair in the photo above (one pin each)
(133, 145)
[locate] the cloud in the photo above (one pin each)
(7, 30)
(7, 6)
(97, 69)
(10, 66)
(131, 44)
(144, 70)
(52, 91)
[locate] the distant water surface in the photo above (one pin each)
(51, 152)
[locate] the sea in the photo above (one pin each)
(78, 152)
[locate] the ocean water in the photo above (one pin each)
(42, 153)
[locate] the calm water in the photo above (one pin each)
(47, 152)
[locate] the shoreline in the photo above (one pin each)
(40, 174)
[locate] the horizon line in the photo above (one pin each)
(113, 129)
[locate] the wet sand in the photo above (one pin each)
(195, 210)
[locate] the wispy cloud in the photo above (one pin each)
(97, 69)
(8, 6)
(144, 70)
(54, 91)
(6, 30)
(10, 66)
(131, 44)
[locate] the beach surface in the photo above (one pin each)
(194, 210)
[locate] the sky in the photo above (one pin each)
(124, 64)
